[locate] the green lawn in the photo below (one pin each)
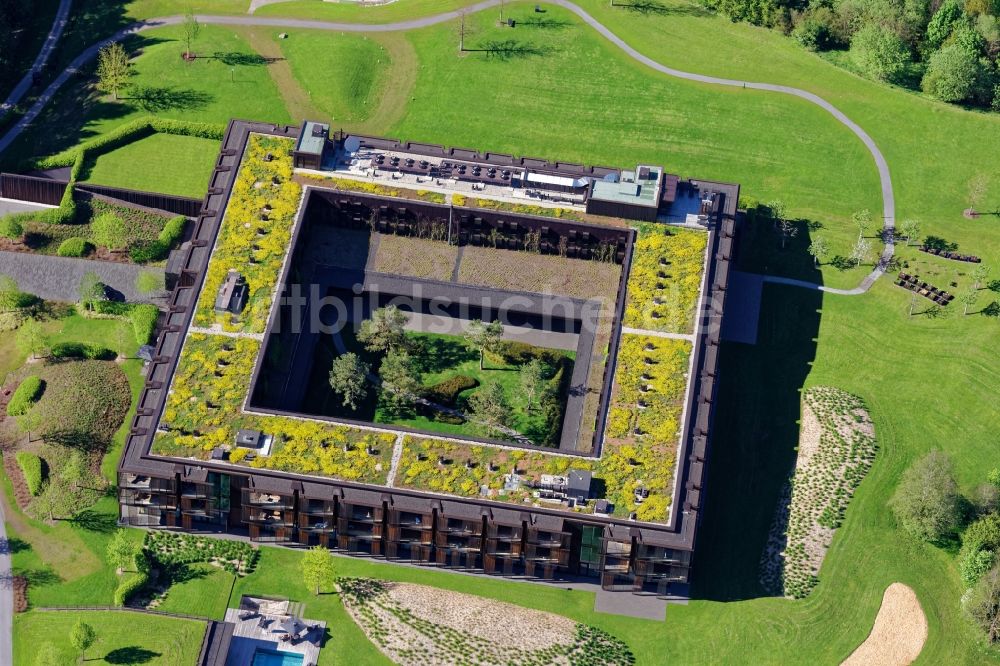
(344, 75)
(354, 12)
(122, 637)
(198, 589)
(228, 80)
(164, 163)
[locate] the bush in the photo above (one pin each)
(109, 231)
(172, 231)
(926, 502)
(82, 350)
(447, 391)
(984, 533)
(10, 227)
(982, 604)
(143, 318)
(879, 53)
(143, 253)
(26, 395)
(74, 247)
(130, 584)
(31, 467)
(974, 563)
(951, 74)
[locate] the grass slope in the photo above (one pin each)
(122, 637)
(179, 165)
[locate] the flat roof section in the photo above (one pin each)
(637, 188)
(312, 138)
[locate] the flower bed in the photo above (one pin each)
(665, 279)
(248, 243)
(421, 625)
(836, 449)
(204, 411)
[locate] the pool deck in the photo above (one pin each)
(249, 635)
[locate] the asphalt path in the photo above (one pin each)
(885, 180)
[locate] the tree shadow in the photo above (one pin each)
(74, 439)
(164, 98)
(938, 243)
(38, 577)
(175, 574)
(440, 354)
(132, 654)
(238, 59)
(11, 545)
(93, 521)
(511, 49)
(543, 22)
(653, 7)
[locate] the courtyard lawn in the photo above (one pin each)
(445, 357)
(164, 163)
(198, 589)
(122, 637)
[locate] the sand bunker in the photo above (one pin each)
(899, 632)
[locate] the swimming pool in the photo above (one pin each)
(275, 658)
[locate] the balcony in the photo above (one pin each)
(128, 481)
(316, 526)
(359, 514)
(268, 518)
(316, 507)
(196, 491)
(504, 533)
(268, 500)
(147, 498)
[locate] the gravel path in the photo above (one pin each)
(58, 278)
(62, 17)
(888, 199)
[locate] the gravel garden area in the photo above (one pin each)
(899, 633)
(836, 449)
(415, 257)
(541, 273)
(426, 626)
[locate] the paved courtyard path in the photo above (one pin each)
(58, 278)
(888, 198)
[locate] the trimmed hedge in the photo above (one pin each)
(26, 395)
(143, 319)
(133, 582)
(447, 391)
(74, 247)
(82, 350)
(31, 467)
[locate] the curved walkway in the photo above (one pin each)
(62, 17)
(888, 198)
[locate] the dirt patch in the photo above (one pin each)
(541, 273)
(20, 585)
(415, 257)
(394, 97)
(899, 632)
(21, 493)
(296, 99)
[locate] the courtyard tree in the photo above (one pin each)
(910, 229)
(383, 331)
(982, 604)
(483, 338)
(318, 570)
(401, 380)
(492, 410)
(81, 637)
(113, 68)
(861, 252)
(533, 375)
(926, 501)
(348, 379)
(122, 550)
(30, 338)
(191, 29)
(819, 248)
(91, 290)
(862, 220)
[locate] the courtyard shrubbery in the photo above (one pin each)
(31, 468)
(27, 394)
(74, 247)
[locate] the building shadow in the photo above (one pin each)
(755, 432)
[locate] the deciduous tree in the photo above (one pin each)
(401, 380)
(113, 68)
(910, 229)
(982, 604)
(81, 637)
(819, 249)
(122, 550)
(861, 252)
(484, 338)
(926, 501)
(348, 378)
(491, 409)
(384, 332)
(30, 338)
(533, 375)
(318, 570)
(191, 29)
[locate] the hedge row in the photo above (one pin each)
(31, 467)
(447, 391)
(142, 316)
(133, 582)
(158, 249)
(26, 395)
(82, 350)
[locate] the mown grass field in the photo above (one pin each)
(122, 637)
(166, 163)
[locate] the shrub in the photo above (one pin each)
(926, 502)
(130, 584)
(109, 231)
(951, 74)
(82, 350)
(143, 253)
(172, 230)
(983, 533)
(31, 467)
(974, 563)
(26, 395)
(447, 391)
(143, 318)
(74, 247)
(982, 604)
(10, 227)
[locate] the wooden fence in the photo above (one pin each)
(48, 191)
